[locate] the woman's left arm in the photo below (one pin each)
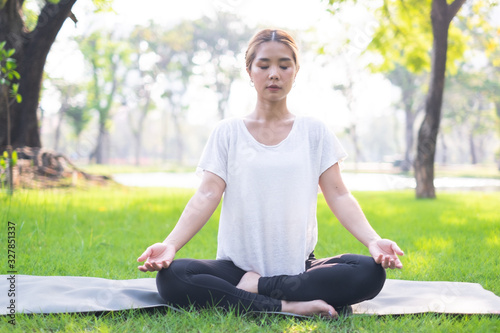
(349, 213)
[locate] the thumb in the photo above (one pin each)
(145, 255)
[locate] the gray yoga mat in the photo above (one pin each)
(66, 294)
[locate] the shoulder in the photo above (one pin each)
(227, 125)
(312, 124)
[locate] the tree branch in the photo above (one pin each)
(453, 9)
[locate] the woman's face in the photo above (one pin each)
(273, 70)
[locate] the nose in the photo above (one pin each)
(273, 73)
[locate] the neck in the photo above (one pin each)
(269, 111)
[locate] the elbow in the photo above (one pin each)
(210, 193)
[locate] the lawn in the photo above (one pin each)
(100, 231)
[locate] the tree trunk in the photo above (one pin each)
(178, 138)
(32, 49)
(62, 111)
(140, 126)
(11, 28)
(472, 147)
(441, 16)
(409, 136)
(100, 151)
(355, 142)
(444, 147)
(497, 109)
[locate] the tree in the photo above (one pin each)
(107, 60)
(347, 90)
(168, 65)
(178, 74)
(467, 109)
(410, 85)
(485, 41)
(74, 110)
(78, 118)
(219, 42)
(404, 37)
(145, 77)
(441, 16)
(32, 47)
(71, 108)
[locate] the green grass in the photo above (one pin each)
(100, 231)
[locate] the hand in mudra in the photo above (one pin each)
(386, 252)
(157, 256)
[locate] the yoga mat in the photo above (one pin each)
(66, 294)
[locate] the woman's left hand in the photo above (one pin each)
(385, 252)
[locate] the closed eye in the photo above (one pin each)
(264, 67)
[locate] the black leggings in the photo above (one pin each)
(342, 280)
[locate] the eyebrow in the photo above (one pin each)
(280, 59)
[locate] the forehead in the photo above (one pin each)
(273, 50)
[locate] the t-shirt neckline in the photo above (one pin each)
(245, 129)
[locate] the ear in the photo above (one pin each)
(248, 71)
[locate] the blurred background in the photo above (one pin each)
(144, 84)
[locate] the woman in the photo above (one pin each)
(268, 165)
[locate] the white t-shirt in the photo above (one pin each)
(268, 219)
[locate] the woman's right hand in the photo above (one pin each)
(157, 256)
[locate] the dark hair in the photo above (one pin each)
(269, 35)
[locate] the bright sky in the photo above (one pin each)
(313, 93)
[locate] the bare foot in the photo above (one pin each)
(249, 282)
(316, 307)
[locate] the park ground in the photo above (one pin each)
(99, 231)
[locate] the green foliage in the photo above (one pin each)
(8, 71)
(4, 158)
(107, 59)
(103, 5)
(5, 163)
(101, 231)
(404, 33)
(30, 16)
(78, 118)
(404, 36)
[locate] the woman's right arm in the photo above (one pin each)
(196, 213)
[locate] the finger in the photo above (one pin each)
(149, 267)
(379, 258)
(142, 268)
(397, 250)
(387, 260)
(145, 255)
(157, 266)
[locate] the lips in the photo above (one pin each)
(273, 87)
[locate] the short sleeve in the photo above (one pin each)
(215, 154)
(332, 150)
